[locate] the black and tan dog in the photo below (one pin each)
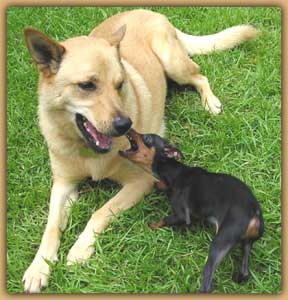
(195, 193)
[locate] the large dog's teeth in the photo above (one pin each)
(97, 143)
(86, 127)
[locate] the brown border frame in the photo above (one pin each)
(283, 4)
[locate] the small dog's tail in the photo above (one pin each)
(222, 40)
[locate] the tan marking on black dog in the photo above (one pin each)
(252, 229)
(157, 225)
(143, 156)
(161, 185)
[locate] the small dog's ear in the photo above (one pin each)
(173, 152)
(46, 53)
(117, 36)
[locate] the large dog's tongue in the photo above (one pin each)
(101, 140)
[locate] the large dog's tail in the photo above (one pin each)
(222, 40)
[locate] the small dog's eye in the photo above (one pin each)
(87, 86)
(147, 140)
(120, 85)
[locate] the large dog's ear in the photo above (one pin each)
(46, 53)
(117, 36)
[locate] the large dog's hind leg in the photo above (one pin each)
(179, 67)
(128, 196)
(62, 196)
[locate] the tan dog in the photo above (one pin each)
(90, 89)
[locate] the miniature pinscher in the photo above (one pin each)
(195, 193)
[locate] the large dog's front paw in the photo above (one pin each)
(79, 253)
(213, 105)
(36, 276)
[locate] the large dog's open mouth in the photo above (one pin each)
(96, 140)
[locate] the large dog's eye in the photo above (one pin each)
(87, 86)
(119, 85)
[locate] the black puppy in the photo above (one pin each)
(195, 193)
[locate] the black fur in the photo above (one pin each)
(195, 193)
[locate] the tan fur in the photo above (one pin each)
(220, 41)
(160, 224)
(144, 156)
(252, 230)
(161, 185)
(149, 50)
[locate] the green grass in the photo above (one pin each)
(244, 141)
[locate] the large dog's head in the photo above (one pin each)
(83, 77)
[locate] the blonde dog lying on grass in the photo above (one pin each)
(91, 90)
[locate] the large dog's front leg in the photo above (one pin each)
(62, 196)
(128, 196)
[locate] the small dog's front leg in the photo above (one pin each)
(127, 197)
(170, 220)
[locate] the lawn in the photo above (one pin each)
(244, 141)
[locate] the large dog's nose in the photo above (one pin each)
(121, 124)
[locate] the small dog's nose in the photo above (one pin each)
(121, 124)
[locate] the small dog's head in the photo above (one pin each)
(84, 78)
(147, 149)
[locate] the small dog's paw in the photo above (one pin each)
(36, 276)
(157, 225)
(153, 225)
(213, 105)
(239, 277)
(79, 253)
(204, 290)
